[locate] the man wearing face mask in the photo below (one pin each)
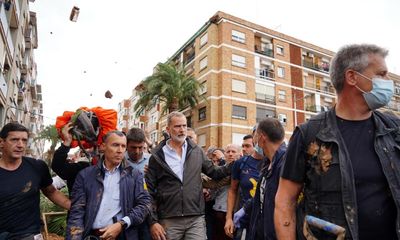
(346, 160)
(269, 143)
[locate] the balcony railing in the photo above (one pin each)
(267, 52)
(265, 73)
(3, 85)
(265, 98)
(393, 105)
(189, 59)
(328, 89)
(6, 28)
(324, 67)
(316, 108)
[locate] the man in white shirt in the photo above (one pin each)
(173, 180)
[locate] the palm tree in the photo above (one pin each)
(49, 133)
(169, 85)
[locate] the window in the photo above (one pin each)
(262, 112)
(239, 112)
(203, 63)
(396, 90)
(281, 72)
(279, 50)
(282, 95)
(265, 93)
(238, 86)
(203, 88)
(201, 140)
(237, 138)
(153, 137)
(204, 39)
(153, 119)
(238, 61)
(282, 118)
(238, 36)
(202, 113)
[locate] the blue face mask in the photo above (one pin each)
(381, 93)
(259, 150)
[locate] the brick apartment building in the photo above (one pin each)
(20, 95)
(247, 72)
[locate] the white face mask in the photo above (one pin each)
(381, 93)
(259, 150)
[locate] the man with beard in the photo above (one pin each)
(173, 180)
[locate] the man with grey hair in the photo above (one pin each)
(173, 180)
(108, 200)
(346, 160)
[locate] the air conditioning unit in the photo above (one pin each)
(310, 55)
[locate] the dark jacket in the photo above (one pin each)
(255, 208)
(66, 170)
(88, 187)
(171, 196)
(332, 196)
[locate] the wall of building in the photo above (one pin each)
(293, 97)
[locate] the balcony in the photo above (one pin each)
(266, 51)
(316, 108)
(14, 18)
(189, 58)
(21, 95)
(144, 118)
(394, 106)
(3, 85)
(33, 90)
(324, 67)
(265, 73)
(6, 29)
(328, 89)
(265, 98)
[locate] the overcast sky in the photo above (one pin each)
(115, 44)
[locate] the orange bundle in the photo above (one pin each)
(107, 121)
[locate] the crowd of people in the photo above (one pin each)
(338, 177)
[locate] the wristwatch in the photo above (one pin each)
(124, 225)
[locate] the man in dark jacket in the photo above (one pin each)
(108, 200)
(268, 140)
(61, 166)
(174, 182)
(346, 160)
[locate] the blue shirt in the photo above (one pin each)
(110, 205)
(247, 171)
(174, 161)
(139, 165)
